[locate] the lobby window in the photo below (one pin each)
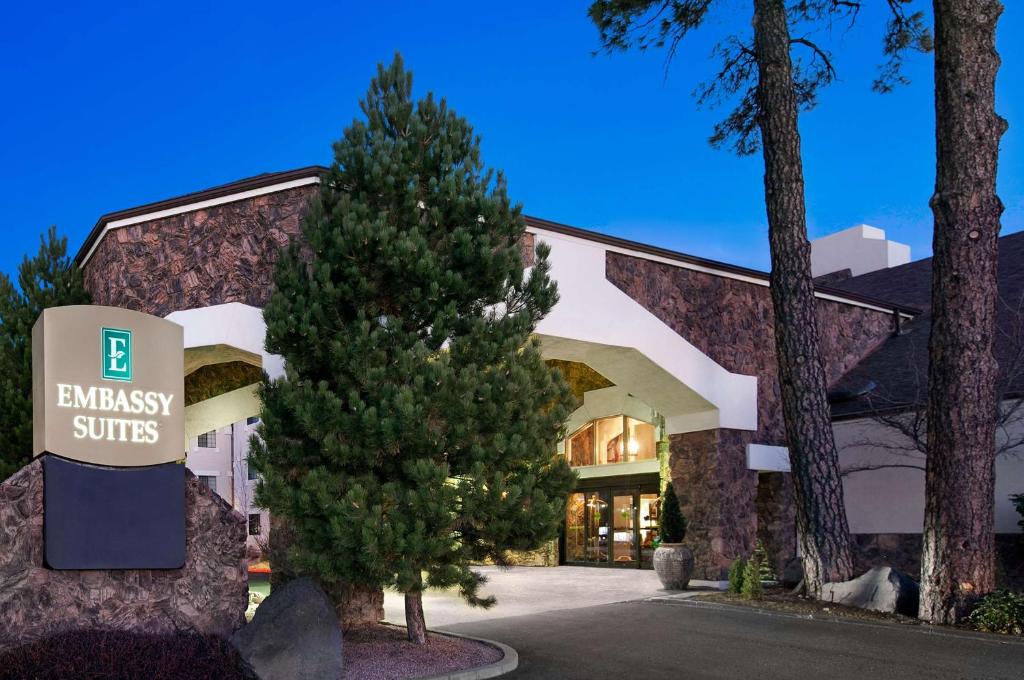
(608, 441)
(254, 524)
(207, 440)
(210, 481)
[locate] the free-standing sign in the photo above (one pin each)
(108, 386)
(109, 421)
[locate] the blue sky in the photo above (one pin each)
(109, 105)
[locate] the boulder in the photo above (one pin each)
(882, 589)
(294, 635)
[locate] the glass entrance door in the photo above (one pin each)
(624, 526)
(612, 527)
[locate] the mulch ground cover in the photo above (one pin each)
(383, 653)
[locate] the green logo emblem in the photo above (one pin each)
(116, 353)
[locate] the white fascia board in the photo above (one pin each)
(765, 458)
(705, 269)
(198, 205)
(233, 324)
(637, 467)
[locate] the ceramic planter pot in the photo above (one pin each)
(673, 562)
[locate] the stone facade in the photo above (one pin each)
(776, 518)
(225, 253)
(209, 594)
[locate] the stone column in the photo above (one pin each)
(776, 518)
(717, 494)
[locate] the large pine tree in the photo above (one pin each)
(415, 430)
(958, 551)
(771, 86)
(48, 279)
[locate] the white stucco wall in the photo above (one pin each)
(215, 461)
(891, 500)
(228, 462)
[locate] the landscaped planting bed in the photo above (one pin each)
(383, 653)
(1001, 612)
(781, 599)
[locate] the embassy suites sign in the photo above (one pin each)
(108, 393)
(108, 386)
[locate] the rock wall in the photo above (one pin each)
(776, 517)
(225, 253)
(716, 493)
(209, 594)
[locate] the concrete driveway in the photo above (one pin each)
(532, 590)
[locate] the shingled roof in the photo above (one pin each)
(898, 370)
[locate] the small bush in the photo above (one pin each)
(751, 589)
(95, 654)
(767, 573)
(1018, 502)
(673, 524)
(736, 570)
(1000, 612)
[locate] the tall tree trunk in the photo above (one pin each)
(415, 622)
(823, 533)
(958, 557)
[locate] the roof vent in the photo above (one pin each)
(860, 249)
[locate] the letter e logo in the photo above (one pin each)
(116, 348)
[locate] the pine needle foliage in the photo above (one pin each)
(414, 432)
(751, 588)
(736, 571)
(47, 279)
(673, 524)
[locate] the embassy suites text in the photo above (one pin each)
(109, 400)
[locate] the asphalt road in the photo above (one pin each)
(659, 639)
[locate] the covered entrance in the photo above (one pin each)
(612, 522)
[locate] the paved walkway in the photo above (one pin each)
(678, 639)
(532, 590)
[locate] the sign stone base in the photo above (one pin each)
(208, 594)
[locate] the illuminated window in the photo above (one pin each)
(608, 441)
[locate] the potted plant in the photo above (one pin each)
(673, 561)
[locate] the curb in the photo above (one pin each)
(508, 663)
